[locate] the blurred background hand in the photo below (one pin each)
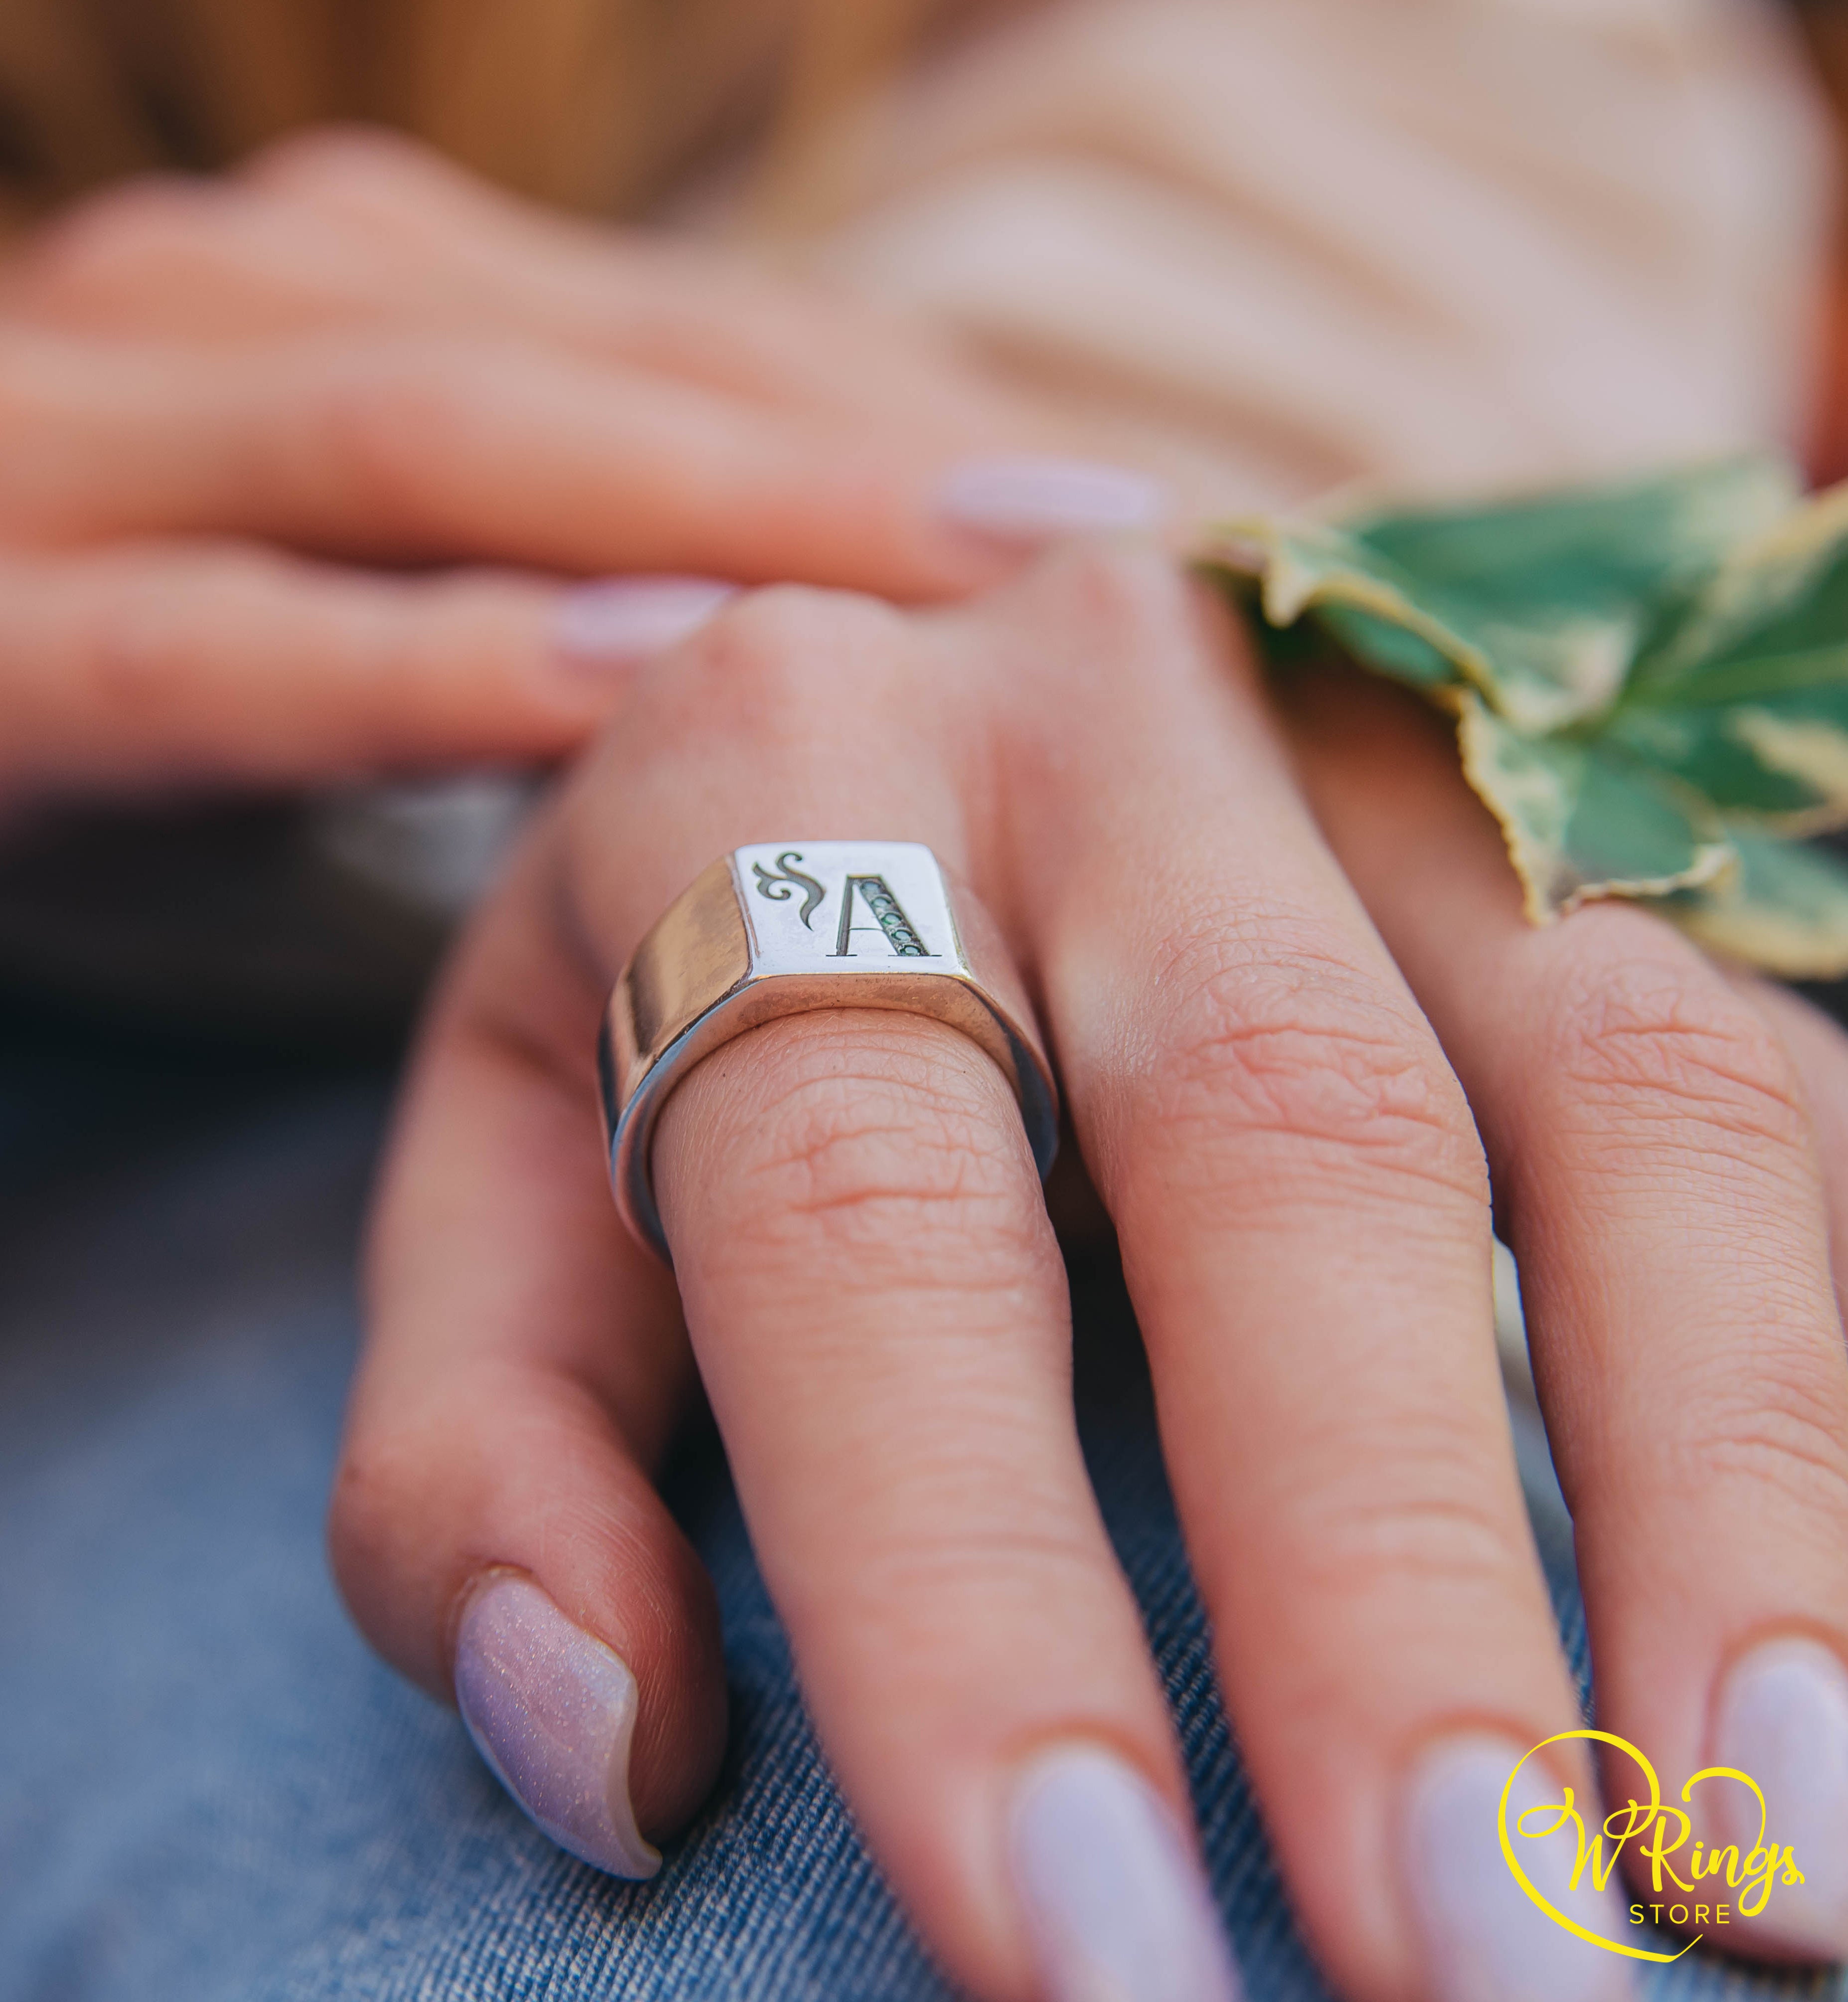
(295, 469)
(350, 468)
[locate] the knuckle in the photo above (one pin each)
(1360, 1530)
(154, 228)
(1371, 1549)
(820, 637)
(1110, 603)
(873, 1139)
(1297, 1048)
(848, 1151)
(776, 659)
(395, 419)
(905, 1570)
(334, 160)
(1779, 1431)
(1652, 1040)
(1119, 588)
(1125, 581)
(133, 652)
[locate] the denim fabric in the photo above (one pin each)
(211, 1792)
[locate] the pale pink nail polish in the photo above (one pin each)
(1038, 500)
(553, 1711)
(1485, 1940)
(1115, 1904)
(625, 619)
(1784, 1719)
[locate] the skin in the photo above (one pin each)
(1291, 1097)
(298, 465)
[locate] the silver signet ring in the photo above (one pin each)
(786, 927)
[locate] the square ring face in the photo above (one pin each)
(845, 908)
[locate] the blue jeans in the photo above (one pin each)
(210, 1791)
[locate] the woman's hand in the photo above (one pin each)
(878, 1308)
(294, 468)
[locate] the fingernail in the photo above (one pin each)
(1038, 500)
(552, 1712)
(625, 619)
(1116, 1906)
(1784, 1719)
(1484, 1940)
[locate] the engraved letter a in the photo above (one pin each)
(888, 917)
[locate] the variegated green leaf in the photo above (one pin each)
(1650, 683)
(1542, 673)
(1539, 604)
(1595, 547)
(1783, 764)
(1302, 568)
(1583, 822)
(1744, 691)
(1784, 909)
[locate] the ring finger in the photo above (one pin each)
(878, 1311)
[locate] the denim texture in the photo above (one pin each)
(210, 1791)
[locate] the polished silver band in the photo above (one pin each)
(786, 927)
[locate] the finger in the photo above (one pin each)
(879, 1310)
(665, 304)
(188, 259)
(1654, 1160)
(335, 228)
(407, 449)
(1819, 1050)
(1304, 1215)
(161, 663)
(494, 1528)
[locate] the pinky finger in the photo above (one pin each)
(495, 1528)
(168, 662)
